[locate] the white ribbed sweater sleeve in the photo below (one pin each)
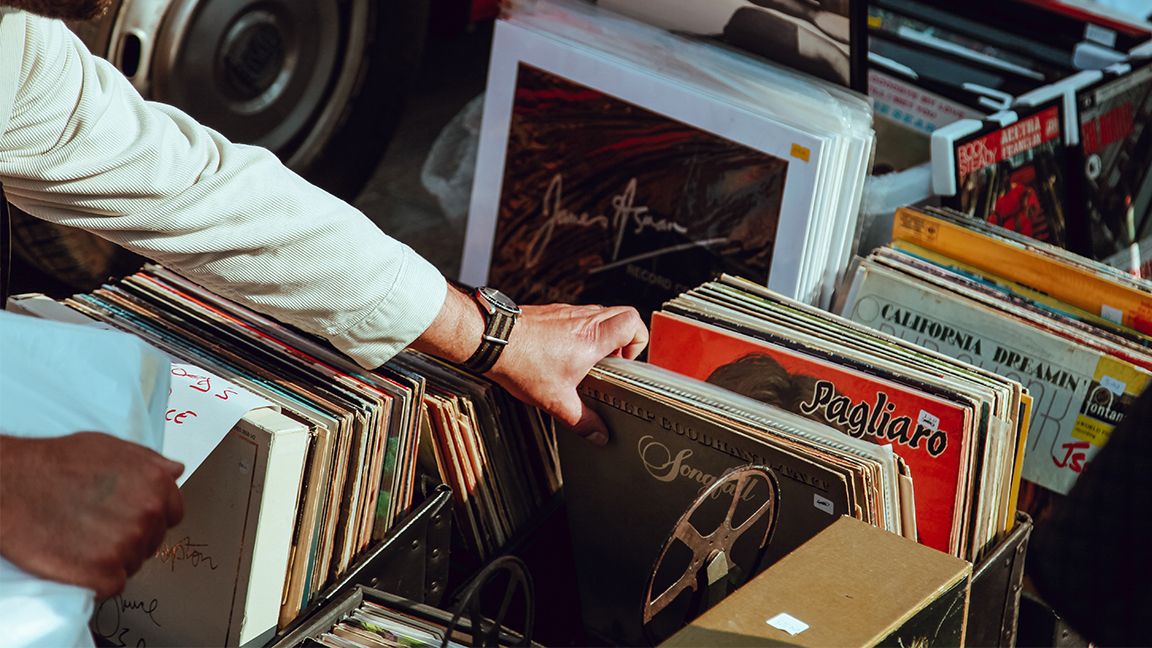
(79, 147)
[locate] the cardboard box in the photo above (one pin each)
(851, 585)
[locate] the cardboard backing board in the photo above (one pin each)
(852, 585)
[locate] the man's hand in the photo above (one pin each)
(550, 351)
(86, 509)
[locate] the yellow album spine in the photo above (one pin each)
(1077, 286)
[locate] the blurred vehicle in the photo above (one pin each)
(320, 83)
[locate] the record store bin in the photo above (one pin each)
(411, 563)
(547, 618)
(406, 576)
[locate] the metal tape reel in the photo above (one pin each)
(711, 563)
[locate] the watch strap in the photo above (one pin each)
(495, 338)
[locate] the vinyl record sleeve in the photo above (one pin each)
(625, 499)
(1073, 386)
(1128, 343)
(365, 406)
(599, 182)
(1074, 279)
(1014, 175)
(1004, 406)
(994, 23)
(943, 38)
(993, 401)
(856, 403)
(1115, 161)
(945, 68)
(906, 116)
(825, 38)
(1064, 25)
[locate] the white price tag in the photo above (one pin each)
(928, 421)
(1112, 314)
(823, 504)
(1101, 35)
(788, 623)
(1114, 385)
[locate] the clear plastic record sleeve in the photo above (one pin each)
(619, 163)
(826, 38)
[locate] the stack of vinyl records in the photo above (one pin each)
(622, 164)
(958, 429)
(825, 38)
(498, 455)
(374, 437)
(699, 489)
(372, 625)
(368, 618)
(1075, 332)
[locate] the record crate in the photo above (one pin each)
(545, 548)
(469, 630)
(410, 563)
(424, 559)
(997, 583)
(993, 609)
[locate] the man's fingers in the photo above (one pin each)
(151, 544)
(575, 415)
(133, 565)
(591, 426)
(173, 468)
(625, 331)
(110, 583)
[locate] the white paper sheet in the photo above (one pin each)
(202, 408)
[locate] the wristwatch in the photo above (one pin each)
(501, 314)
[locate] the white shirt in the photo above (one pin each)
(113, 382)
(80, 147)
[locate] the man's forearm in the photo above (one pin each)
(82, 149)
(455, 333)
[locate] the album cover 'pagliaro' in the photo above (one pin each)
(606, 202)
(929, 432)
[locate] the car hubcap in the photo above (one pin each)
(259, 71)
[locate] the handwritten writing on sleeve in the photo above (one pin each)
(202, 408)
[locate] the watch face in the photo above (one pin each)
(500, 300)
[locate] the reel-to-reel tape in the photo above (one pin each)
(695, 570)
